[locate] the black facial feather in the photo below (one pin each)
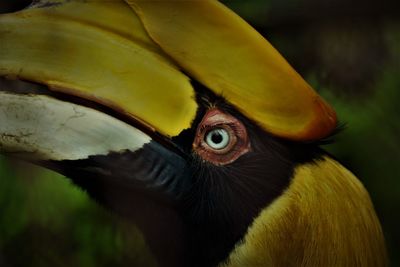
(224, 200)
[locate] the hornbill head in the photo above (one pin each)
(181, 117)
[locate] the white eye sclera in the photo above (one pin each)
(217, 138)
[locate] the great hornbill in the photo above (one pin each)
(181, 117)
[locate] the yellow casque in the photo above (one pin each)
(117, 61)
(221, 50)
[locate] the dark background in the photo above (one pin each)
(347, 50)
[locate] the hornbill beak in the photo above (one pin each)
(79, 87)
(134, 100)
(85, 92)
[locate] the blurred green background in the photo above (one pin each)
(348, 51)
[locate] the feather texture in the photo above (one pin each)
(324, 218)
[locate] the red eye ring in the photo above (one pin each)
(228, 127)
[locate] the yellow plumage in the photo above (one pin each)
(324, 218)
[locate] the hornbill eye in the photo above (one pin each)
(218, 138)
(221, 138)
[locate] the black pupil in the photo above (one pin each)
(216, 137)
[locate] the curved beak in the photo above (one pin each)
(92, 97)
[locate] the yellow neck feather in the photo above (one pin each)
(324, 218)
